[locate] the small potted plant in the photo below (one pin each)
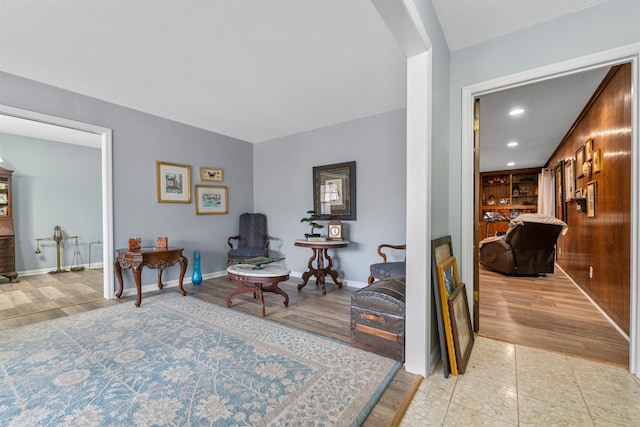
(311, 220)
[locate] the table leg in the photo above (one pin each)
(160, 285)
(241, 289)
(276, 290)
(137, 275)
(183, 268)
(329, 270)
(118, 270)
(310, 272)
(259, 289)
(320, 271)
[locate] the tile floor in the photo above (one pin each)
(512, 385)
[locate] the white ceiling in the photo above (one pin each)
(250, 69)
(468, 22)
(551, 108)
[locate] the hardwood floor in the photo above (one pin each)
(327, 315)
(548, 313)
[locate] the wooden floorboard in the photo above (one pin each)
(549, 313)
(328, 315)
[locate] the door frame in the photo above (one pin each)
(624, 54)
(105, 136)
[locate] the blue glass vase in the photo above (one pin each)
(196, 277)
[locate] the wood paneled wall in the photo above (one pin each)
(603, 242)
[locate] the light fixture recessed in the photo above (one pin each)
(516, 111)
(512, 144)
(511, 164)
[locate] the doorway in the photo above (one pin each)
(469, 93)
(37, 125)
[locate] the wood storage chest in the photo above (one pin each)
(378, 318)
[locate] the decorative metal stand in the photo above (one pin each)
(58, 237)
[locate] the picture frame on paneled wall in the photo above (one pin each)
(592, 196)
(558, 178)
(569, 180)
(579, 161)
(597, 160)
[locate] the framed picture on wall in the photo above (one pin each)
(579, 162)
(211, 174)
(174, 182)
(211, 200)
(558, 179)
(591, 199)
(569, 180)
(334, 191)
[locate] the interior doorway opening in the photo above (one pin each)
(469, 207)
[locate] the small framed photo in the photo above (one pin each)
(3, 198)
(211, 174)
(591, 199)
(211, 200)
(579, 162)
(588, 149)
(174, 182)
(597, 160)
(3, 211)
(461, 326)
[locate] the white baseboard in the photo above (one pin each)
(25, 273)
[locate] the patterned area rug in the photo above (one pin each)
(182, 361)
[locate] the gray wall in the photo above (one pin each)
(605, 26)
(61, 185)
(284, 188)
(139, 140)
(440, 121)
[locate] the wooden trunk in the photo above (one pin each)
(378, 318)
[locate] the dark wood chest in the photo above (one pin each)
(378, 318)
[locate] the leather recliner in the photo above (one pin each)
(527, 249)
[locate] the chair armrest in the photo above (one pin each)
(266, 241)
(230, 239)
(386, 245)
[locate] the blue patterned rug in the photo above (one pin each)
(182, 361)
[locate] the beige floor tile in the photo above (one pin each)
(593, 375)
(535, 412)
(557, 390)
(488, 349)
(604, 423)
(483, 397)
(426, 409)
(534, 360)
(618, 407)
(461, 416)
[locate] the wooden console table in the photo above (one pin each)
(320, 253)
(258, 277)
(150, 258)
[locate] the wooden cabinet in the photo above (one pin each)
(504, 195)
(7, 235)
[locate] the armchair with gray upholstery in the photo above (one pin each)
(386, 269)
(252, 240)
(527, 249)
